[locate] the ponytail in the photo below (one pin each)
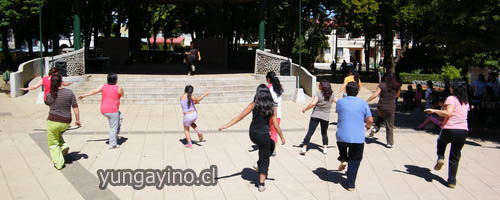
(189, 91)
(275, 82)
(55, 83)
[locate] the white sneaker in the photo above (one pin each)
(389, 146)
(193, 68)
(114, 147)
(262, 188)
(325, 150)
(303, 150)
(373, 131)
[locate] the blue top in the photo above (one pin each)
(352, 112)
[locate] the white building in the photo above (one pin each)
(352, 49)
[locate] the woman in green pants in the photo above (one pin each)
(60, 100)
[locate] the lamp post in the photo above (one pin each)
(300, 40)
(40, 42)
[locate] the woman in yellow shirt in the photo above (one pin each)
(352, 77)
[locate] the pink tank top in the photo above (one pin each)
(110, 101)
(46, 86)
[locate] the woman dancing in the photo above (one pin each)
(190, 113)
(454, 129)
(60, 100)
(322, 104)
(263, 109)
(274, 85)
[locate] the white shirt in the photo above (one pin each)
(277, 100)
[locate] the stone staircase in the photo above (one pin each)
(158, 89)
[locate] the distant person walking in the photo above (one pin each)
(46, 83)
(454, 129)
(190, 113)
(263, 110)
(60, 100)
(274, 85)
(388, 90)
(322, 104)
(354, 115)
(110, 106)
(193, 57)
(428, 94)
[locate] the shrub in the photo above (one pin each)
(410, 77)
(450, 72)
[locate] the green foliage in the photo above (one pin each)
(450, 72)
(410, 77)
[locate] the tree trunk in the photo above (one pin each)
(30, 47)
(367, 53)
(388, 44)
(5, 48)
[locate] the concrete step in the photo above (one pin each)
(211, 100)
(168, 84)
(193, 79)
(173, 89)
(178, 94)
(175, 100)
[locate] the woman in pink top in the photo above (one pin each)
(454, 128)
(46, 83)
(110, 106)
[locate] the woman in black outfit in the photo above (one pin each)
(263, 109)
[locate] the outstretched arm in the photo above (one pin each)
(92, 92)
(66, 83)
(448, 112)
(313, 103)
(342, 89)
(40, 83)
(374, 95)
(238, 118)
(197, 100)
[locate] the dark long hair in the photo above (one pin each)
(189, 91)
(275, 82)
(391, 82)
(55, 83)
(355, 74)
(264, 103)
(326, 89)
(53, 71)
(460, 91)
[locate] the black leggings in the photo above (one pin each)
(313, 123)
(457, 139)
(266, 147)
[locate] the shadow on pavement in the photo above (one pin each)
(422, 172)
(74, 156)
(371, 140)
(247, 174)
(331, 176)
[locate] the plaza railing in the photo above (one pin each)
(266, 62)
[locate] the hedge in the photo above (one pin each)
(410, 77)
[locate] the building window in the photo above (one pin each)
(327, 50)
(340, 52)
